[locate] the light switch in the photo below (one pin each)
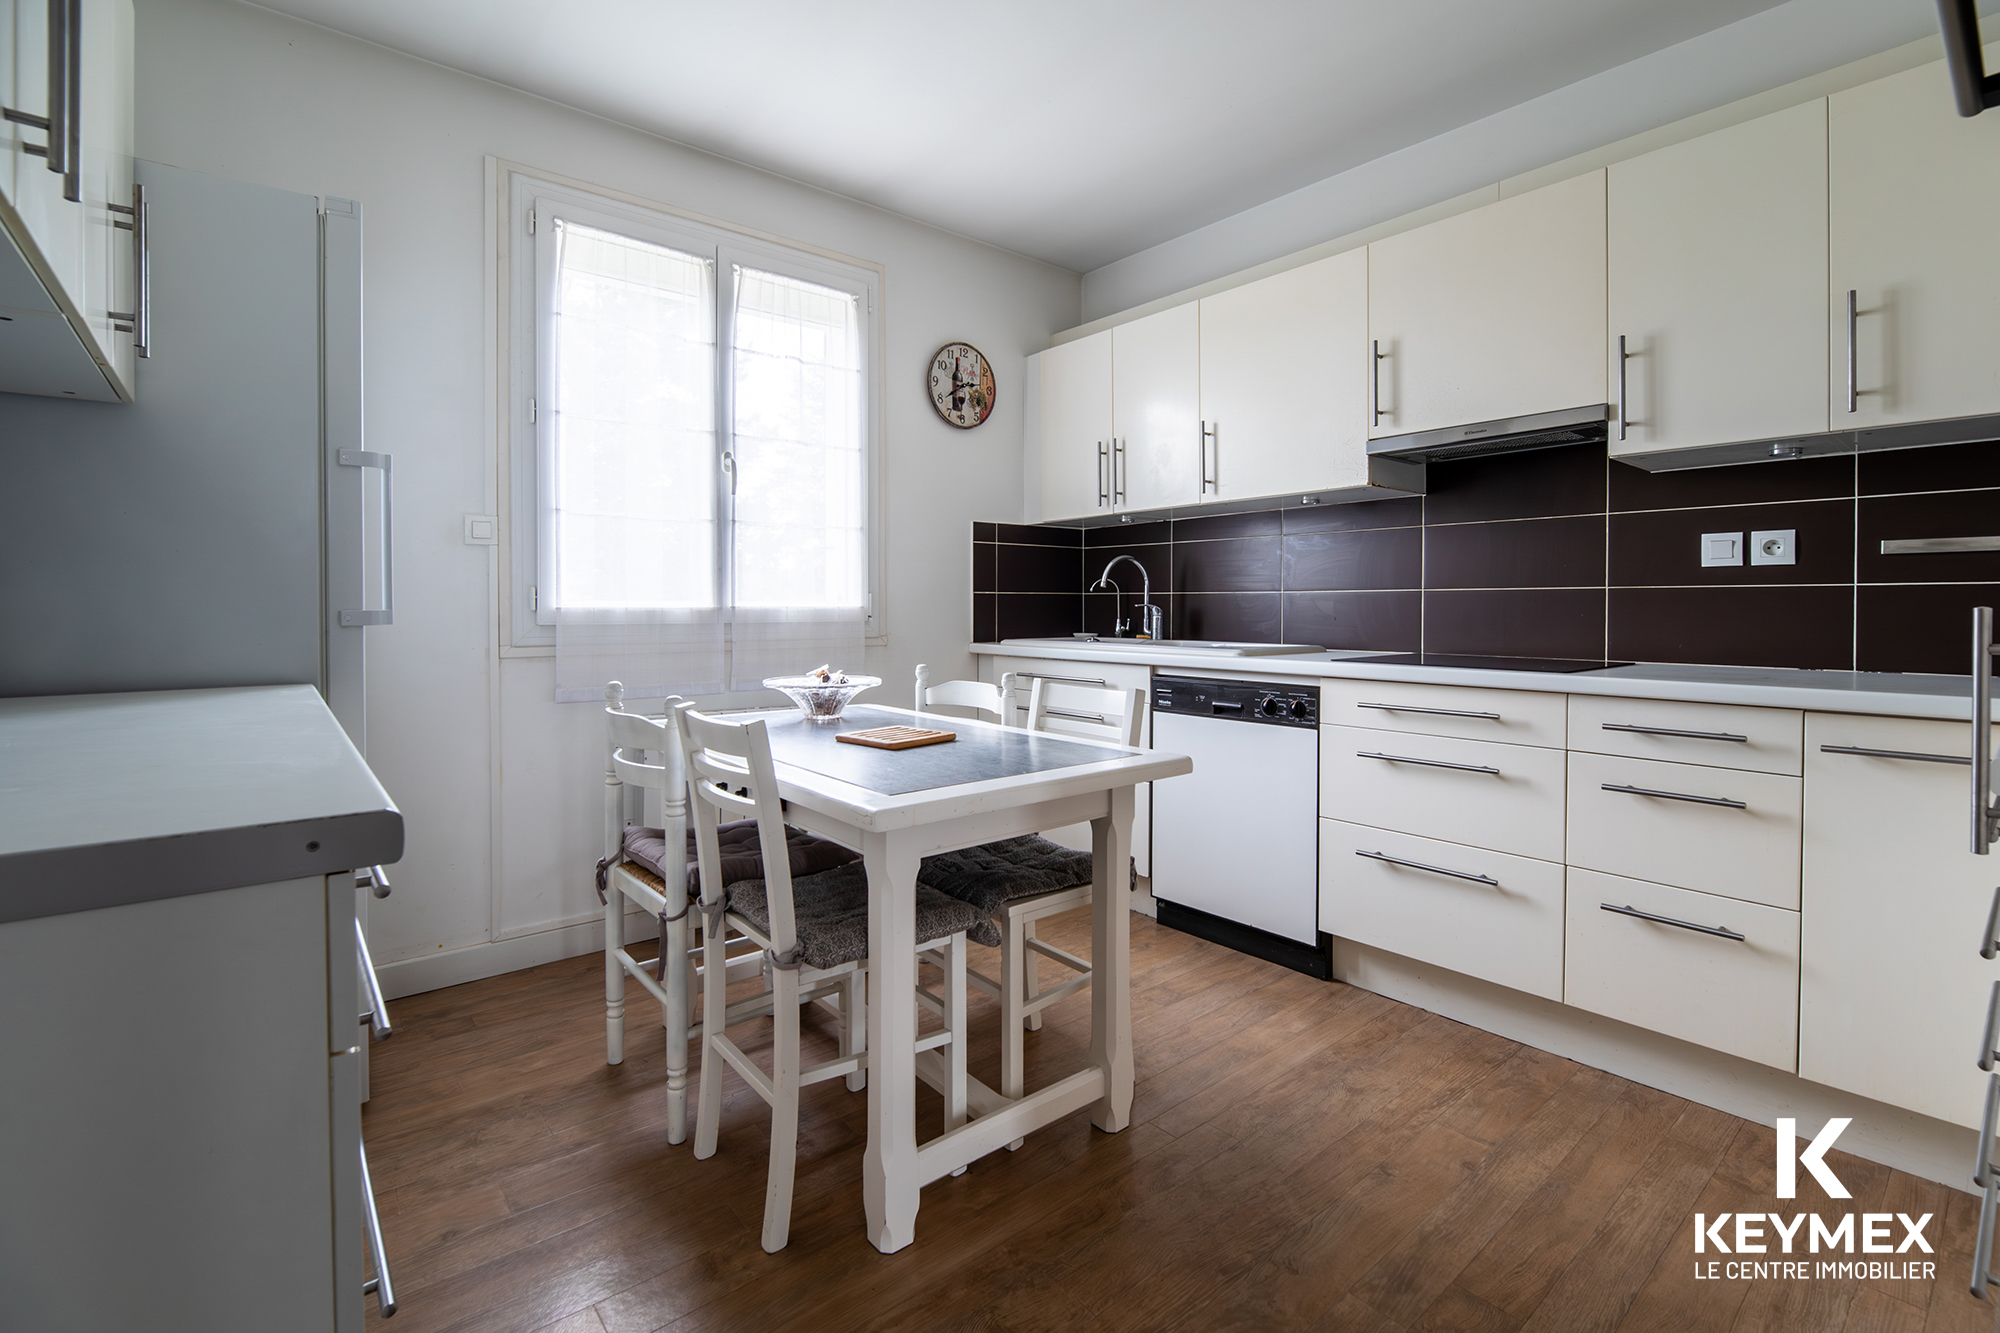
(482, 530)
(1780, 546)
(1721, 548)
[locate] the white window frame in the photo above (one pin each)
(528, 200)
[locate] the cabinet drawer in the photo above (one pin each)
(1422, 899)
(1722, 735)
(1518, 717)
(1506, 797)
(1674, 829)
(1739, 996)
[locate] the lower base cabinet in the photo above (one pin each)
(1677, 974)
(1486, 914)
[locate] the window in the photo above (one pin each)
(698, 404)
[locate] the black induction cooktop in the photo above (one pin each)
(1559, 665)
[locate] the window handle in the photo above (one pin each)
(729, 466)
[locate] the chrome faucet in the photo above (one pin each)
(1149, 615)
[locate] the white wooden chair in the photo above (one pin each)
(644, 756)
(730, 768)
(974, 694)
(1098, 713)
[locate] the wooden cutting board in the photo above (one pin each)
(896, 738)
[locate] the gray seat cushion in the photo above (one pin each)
(831, 912)
(742, 856)
(994, 874)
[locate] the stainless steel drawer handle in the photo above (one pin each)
(377, 1016)
(1427, 763)
(1434, 712)
(1063, 680)
(1893, 754)
(1982, 1165)
(381, 1285)
(1983, 1275)
(1675, 731)
(1991, 1036)
(1080, 717)
(1435, 870)
(1989, 943)
(1938, 545)
(1628, 910)
(1674, 795)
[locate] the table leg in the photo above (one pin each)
(889, 1184)
(1110, 960)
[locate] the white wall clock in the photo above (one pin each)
(961, 385)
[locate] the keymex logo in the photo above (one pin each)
(1809, 1233)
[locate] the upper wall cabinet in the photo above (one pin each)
(1494, 313)
(1076, 428)
(67, 273)
(1717, 262)
(1155, 413)
(1914, 192)
(1284, 382)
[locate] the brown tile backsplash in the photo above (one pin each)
(1550, 553)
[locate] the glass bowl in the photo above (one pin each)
(818, 700)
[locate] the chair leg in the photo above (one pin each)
(1032, 976)
(1012, 947)
(714, 1003)
(674, 1017)
(954, 984)
(784, 1112)
(854, 1025)
(614, 978)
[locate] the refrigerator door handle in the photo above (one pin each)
(387, 614)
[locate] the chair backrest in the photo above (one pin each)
(974, 694)
(1099, 712)
(729, 769)
(629, 774)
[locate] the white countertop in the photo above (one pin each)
(1885, 693)
(117, 798)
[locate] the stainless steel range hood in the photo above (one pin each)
(1544, 430)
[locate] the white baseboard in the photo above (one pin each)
(1903, 1140)
(491, 958)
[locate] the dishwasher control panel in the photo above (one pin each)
(1272, 703)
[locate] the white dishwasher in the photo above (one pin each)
(1236, 842)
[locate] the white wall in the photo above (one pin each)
(240, 92)
(1790, 42)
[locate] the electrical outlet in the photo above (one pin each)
(1779, 546)
(1721, 548)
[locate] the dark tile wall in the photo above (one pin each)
(1553, 553)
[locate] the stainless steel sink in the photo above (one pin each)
(1209, 647)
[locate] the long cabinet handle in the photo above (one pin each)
(1853, 370)
(1675, 731)
(381, 1285)
(1982, 1165)
(1938, 545)
(1894, 754)
(1623, 357)
(1065, 680)
(1435, 870)
(1989, 943)
(1375, 355)
(1983, 1275)
(378, 1008)
(139, 320)
(1722, 932)
(386, 615)
(1991, 1036)
(1211, 462)
(1434, 712)
(1075, 717)
(56, 112)
(1103, 486)
(1427, 763)
(1674, 795)
(1985, 816)
(73, 92)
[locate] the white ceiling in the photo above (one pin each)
(1074, 131)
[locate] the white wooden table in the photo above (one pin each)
(1068, 781)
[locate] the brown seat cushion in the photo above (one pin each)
(742, 857)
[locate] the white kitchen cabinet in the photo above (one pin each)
(1076, 428)
(1479, 912)
(1892, 989)
(1766, 740)
(1913, 190)
(1284, 381)
(1118, 675)
(1717, 282)
(66, 266)
(1155, 413)
(1498, 312)
(1514, 717)
(1684, 975)
(1477, 793)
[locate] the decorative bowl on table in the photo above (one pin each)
(821, 700)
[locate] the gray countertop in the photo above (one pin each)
(1885, 693)
(108, 799)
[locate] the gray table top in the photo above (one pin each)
(980, 753)
(108, 799)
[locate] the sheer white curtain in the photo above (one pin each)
(633, 468)
(799, 556)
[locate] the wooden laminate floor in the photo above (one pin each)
(1302, 1155)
